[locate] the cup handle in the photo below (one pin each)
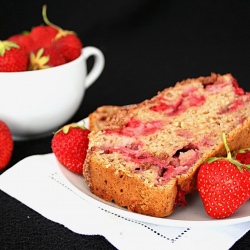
(98, 66)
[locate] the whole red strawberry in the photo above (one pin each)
(69, 145)
(65, 41)
(69, 45)
(43, 36)
(223, 185)
(23, 40)
(13, 58)
(6, 145)
(45, 58)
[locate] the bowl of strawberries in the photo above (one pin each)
(43, 78)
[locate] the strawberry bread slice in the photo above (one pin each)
(145, 157)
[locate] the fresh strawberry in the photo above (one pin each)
(6, 145)
(223, 185)
(65, 41)
(69, 145)
(13, 58)
(243, 156)
(43, 36)
(45, 58)
(69, 46)
(23, 40)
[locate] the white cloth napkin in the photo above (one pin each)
(38, 184)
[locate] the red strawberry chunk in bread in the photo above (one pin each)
(237, 89)
(193, 97)
(188, 158)
(235, 105)
(136, 127)
(188, 98)
(180, 161)
(221, 83)
(138, 156)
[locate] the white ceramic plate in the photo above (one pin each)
(193, 215)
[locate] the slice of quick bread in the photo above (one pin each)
(145, 157)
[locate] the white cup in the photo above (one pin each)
(35, 103)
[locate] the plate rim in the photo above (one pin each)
(125, 213)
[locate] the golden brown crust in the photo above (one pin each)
(128, 191)
(110, 177)
(101, 116)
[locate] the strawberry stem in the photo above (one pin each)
(224, 139)
(229, 156)
(61, 32)
(46, 20)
